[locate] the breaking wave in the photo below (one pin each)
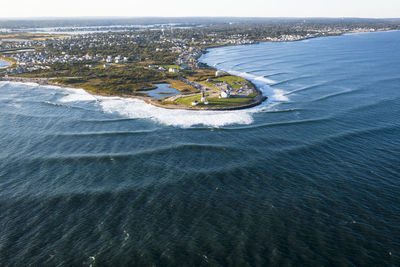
(264, 84)
(137, 109)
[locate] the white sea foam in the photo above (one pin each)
(74, 95)
(138, 109)
(264, 84)
(134, 108)
(279, 95)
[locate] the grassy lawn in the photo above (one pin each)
(215, 101)
(199, 75)
(208, 84)
(181, 86)
(107, 86)
(229, 79)
(171, 66)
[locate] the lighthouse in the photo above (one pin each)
(203, 96)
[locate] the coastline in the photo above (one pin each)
(46, 82)
(155, 102)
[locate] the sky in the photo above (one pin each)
(198, 8)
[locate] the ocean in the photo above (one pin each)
(310, 177)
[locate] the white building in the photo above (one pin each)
(225, 94)
(173, 70)
(219, 73)
(109, 59)
(118, 59)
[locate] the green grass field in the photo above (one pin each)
(171, 66)
(231, 80)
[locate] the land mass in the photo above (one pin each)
(131, 62)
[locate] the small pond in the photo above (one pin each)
(161, 91)
(4, 64)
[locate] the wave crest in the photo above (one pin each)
(134, 108)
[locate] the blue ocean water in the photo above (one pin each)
(310, 177)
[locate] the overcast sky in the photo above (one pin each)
(182, 8)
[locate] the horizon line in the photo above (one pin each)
(182, 17)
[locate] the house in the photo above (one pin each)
(109, 59)
(225, 94)
(173, 70)
(118, 59)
